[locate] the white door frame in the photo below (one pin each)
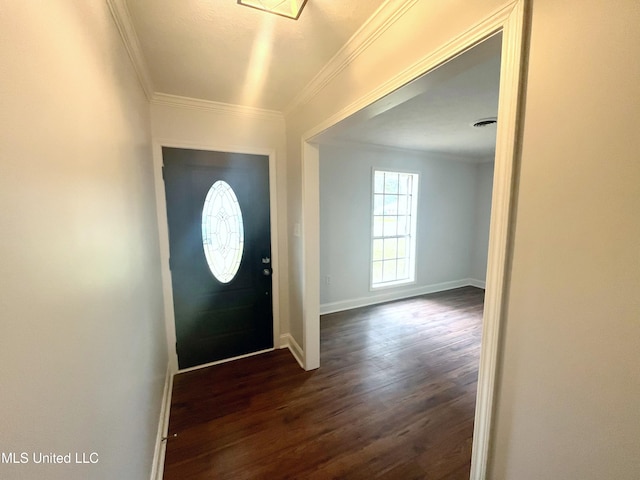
(163, 230)
(511, 21)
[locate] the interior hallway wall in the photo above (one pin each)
(570, 388)
(83, 354)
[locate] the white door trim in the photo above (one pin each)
(511, 21)
(163, 232)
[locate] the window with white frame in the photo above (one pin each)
(393, 244)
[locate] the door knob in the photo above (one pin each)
(266, 272)
(266, 260)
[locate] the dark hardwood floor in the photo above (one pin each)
(394, 398)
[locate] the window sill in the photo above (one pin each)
(389, 285)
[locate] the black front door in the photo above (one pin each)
(220, 253)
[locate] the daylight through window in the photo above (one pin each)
(394, 228)
(222, 231)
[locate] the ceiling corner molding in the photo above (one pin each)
(122, 18)
(472, 36)
(385, 16)
(166, 99)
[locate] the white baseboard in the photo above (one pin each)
(287, 341)
(396, 295)
(157, 469)
(476, 283)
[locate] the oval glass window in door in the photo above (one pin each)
(222, 231)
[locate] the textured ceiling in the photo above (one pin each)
(220, 51)
(438, 115)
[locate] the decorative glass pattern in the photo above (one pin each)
(394, 228)
(222, 231)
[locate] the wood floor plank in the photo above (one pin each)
(394, 398)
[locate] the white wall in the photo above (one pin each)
(446, 227)
(482, 218)
(568, 390)
(83, 354)
(216, 126)
(569, 405)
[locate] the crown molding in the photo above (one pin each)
(490, 26)
(166, 99)
(122, 18)
(385, 16)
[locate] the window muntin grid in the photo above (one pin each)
(222, 231)
(393, 228)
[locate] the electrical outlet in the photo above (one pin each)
(327, 279)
